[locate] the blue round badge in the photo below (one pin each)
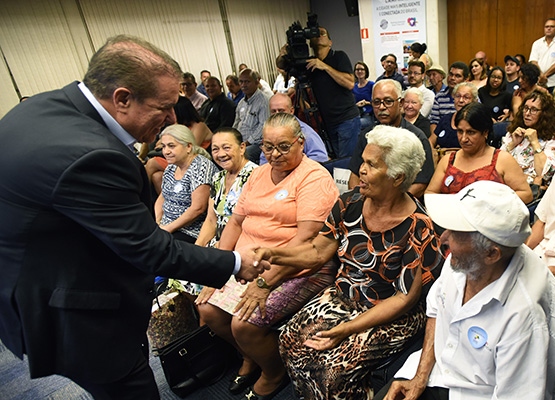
(282, 194)
(442, 133)
(496, 109)
(449, 180)
(477, 337)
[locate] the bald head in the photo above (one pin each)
(281, 103)
(481, 55)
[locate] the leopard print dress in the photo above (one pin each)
(374, 266)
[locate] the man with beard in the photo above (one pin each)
(390, 70)
(491, 312)
(416, 73)
(387, 104)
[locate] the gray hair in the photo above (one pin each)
(416, 92)
(473, 89)
(184, 136)
(403, 152)
(397, 85)
(255, 76)
(130, 62)
(284, 120)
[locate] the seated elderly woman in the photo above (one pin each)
(389, 257)
(228, 150)
(444, 136)
(476, 160)
(180, 209)
(185, 114)
(530, 137)
(412, 104)
(284, 203)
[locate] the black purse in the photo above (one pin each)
(196, 359)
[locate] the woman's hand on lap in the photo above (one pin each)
(252, 297)
(326, 340)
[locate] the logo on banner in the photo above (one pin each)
(411, 21)
(384, 24)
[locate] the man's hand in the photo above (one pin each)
(408, 390)
(250, 266)
(316, 63)
(542, 79)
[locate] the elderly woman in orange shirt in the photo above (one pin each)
(284, 203)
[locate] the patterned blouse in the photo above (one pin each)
(524, 156)
(177, 193)
(224, 204)
(375, 265)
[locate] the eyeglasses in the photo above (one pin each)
(497, 77)
(531, 110)
(412, 73)
(282, 148)
(386, 102)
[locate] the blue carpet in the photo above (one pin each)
(15, 384)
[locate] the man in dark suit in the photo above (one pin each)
(78, 245)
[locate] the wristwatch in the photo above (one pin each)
(538, 151)
(261, 283)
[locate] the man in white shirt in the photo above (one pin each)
(416, 74)
(543, 55)
(490, 314)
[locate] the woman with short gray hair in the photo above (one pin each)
(413, 99)
(389, 257)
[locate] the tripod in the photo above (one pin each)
(304, 96)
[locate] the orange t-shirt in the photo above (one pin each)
(271, 211)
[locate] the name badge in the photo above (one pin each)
(477, 337)
(282, 194)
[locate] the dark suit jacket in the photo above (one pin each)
(78, 245)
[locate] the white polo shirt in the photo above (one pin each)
(544, 55)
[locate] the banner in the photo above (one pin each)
(397, 24)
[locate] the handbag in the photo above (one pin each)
(173, 315)
(194, 360)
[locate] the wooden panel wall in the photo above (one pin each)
(498, 27)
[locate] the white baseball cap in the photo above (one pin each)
(491, 208)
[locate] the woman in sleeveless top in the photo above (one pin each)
(476, 160)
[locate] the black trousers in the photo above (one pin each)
(138, 384)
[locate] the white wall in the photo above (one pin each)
(436, 27)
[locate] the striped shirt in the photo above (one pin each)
(443, 104)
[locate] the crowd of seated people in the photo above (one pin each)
(349, 274)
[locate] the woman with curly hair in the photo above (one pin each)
(530, 137)
(528, 80)
(478, 72)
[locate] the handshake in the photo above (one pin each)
(254, 261)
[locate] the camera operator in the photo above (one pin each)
(330, 74)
